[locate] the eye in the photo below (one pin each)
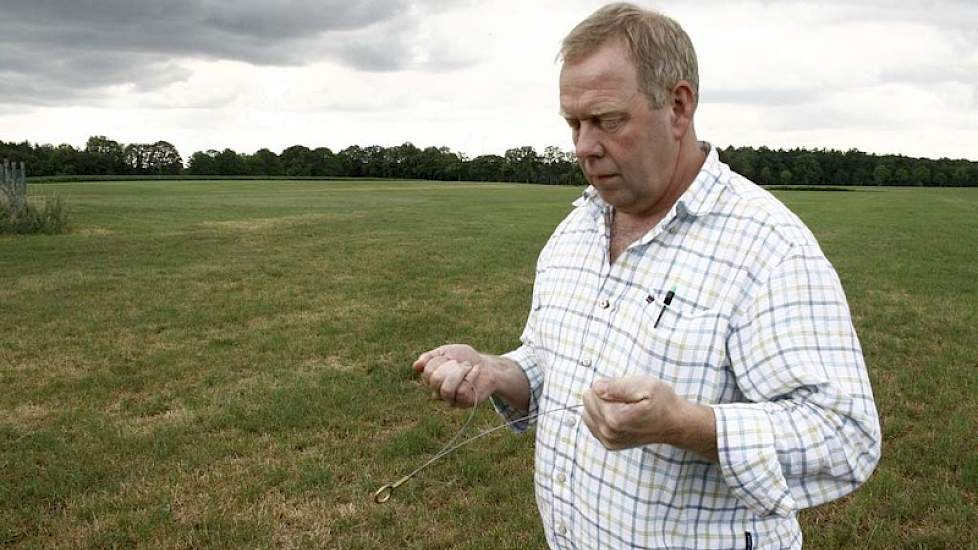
(573, 123)
(610, 124)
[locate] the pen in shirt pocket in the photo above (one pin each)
(665, 303)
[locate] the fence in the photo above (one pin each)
(13, 186)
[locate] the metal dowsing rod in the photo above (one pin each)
(383, 494)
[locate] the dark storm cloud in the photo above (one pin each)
(59, 50)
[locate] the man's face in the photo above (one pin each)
(627, 150)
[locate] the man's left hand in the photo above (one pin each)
(639, 410)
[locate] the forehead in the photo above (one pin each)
(604, 80)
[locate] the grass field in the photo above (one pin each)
(226, 364)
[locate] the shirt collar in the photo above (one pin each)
(590, 199)
(702, 195)
(698, 199)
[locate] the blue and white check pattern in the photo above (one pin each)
(759, 329)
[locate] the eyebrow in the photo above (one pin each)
(600, 114)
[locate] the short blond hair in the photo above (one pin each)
(661, 50)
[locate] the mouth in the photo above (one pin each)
(601, 178)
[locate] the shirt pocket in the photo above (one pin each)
(683, 345)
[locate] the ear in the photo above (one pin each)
(683, 107)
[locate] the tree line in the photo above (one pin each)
(101, 156)
(852, 167)
(553, 166)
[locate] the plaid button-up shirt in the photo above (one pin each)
(759, 329)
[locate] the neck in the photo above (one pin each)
(689, 160)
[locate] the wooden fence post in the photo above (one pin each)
(23, 183)
(13, 185)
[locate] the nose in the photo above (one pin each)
(588, 142)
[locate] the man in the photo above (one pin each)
(692, 314)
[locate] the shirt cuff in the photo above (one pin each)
(516, 419)
(749, 459)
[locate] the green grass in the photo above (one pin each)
(28, 218)
(226, 364)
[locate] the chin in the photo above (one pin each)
(611, 196)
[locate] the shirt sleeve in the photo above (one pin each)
(809, 431)
(527, 356)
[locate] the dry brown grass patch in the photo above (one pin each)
(27, 416)
(261, 224)
(328, 362)
(170, 417)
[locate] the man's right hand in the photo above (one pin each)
(457, 374)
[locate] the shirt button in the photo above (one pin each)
(561, 478)
(605, 304)
(561, 528)
(570, 420)
(586, 362)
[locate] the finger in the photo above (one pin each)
(468, 393)
(452, 381)
(465, 393)
(607, 436)
(600, 419)
(593, 406)
(592, 426)
(587, 420)
(622, 390)
(437, 370)
(590, 412)
(431, 367)
(422, 360)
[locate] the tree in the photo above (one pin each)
(406, 160)
(841, 177)
(557, 167)
(229, 163)
(785, 177)
(881, 174)
(163, 158)
(743, 161)
(521, 163)
(487, 168)
(807, 170)
(203, 163)
(135, 158)
(65, 159)
(263, 163)
(901, 176)
(326, 163)
(297, 161)
(963, 175)
(921, 175)
(106, 155)
(354, 160)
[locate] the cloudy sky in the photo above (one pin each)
(885, 76)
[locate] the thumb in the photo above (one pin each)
(620, 390)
